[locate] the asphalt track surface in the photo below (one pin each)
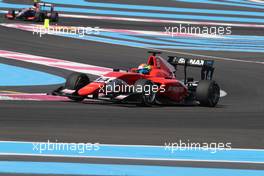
(238, 118)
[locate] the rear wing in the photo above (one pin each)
(207, 69)
(45, 4)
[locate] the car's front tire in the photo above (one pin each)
(146, 95)
(208, 93)
(76, 81)
(11, 12)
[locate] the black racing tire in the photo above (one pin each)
(146, 96)
(54, 17)
(208, 93)
(12, 12)
(76, 81)
(39, 17)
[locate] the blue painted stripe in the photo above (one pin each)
(155, 8)
(147, 14)
(134, 38)
(116, 169)
(207, 42)
(17, 76)
(135, 152)
(221, 43)
(145, 45)
(7, 5)
(191, 41)
(260, 6)
(128, 40)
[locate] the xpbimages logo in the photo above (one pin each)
(181, 145)
(197, 30)
(65, 30)
(119, 88)
(42, 147)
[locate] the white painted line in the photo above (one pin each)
(6, 98)
(127, 145)
(158, 33)
(161, 21)
(258, 1)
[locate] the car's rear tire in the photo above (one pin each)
(146, 95)
(76, 81)
(208, 93)
(39, 17)
(54, 17)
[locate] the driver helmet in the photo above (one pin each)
(34, 6)
(144, 68)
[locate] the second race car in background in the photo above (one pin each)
(38, 12)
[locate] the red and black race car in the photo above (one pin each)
(159, 86)
(38, 12)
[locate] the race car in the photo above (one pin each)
(38, 12)
(159, 86)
